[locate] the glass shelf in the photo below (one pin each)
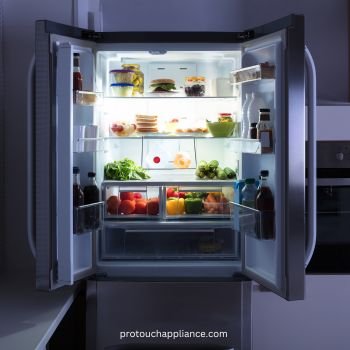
(171, 97)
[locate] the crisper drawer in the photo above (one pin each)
(167, 201)
(169, 243)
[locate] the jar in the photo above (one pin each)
(253, 131)
(264, 129)
(138, 79)
(195, 86)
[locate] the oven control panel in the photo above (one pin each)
(333, 154)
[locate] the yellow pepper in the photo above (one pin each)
(175, 206)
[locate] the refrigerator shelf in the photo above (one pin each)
(258, 72)
(146, 97)
(206, 185)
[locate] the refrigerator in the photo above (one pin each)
(76, 129)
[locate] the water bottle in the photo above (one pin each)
(245, 120)
(254, 106)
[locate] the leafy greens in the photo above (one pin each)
(124, 169)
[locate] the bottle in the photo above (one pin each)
(77, 77)
(78, 200)
(265, 204)
(138, 79)
(255, 104)
(249, 193)
(245, 119)
(264, 128)
(91, 195)
(253, 131)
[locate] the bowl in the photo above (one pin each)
(221, 129)
(125, 76)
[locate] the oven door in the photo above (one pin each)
(332, 253)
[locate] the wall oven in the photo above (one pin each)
(332, 252)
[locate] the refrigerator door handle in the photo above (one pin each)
(30, 158)
(311, 161)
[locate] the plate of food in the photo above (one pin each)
(163, 87)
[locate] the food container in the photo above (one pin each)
(122, 89)
(122, 76)
(195, 86)
(122, 129)
(138, 78)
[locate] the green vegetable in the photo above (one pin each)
(193, 205)
(124, 169)
(200, 173)
(202, 165)
(213, 164)
(230, 173)
(211, 175)
(222, 175)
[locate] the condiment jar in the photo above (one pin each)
(138, 79)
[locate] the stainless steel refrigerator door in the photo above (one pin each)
(278, 263)
(61, 257)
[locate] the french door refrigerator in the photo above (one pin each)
(220, 239)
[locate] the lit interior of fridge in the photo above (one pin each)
(188, 208)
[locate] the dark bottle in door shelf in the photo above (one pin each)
(265, 204)
(78, 200)
(77, 77)
(92, 195)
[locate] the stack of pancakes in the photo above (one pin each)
(146, 123)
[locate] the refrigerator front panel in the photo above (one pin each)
(277, 261)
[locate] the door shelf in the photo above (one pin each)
(87, 218)
(84, 145)
(252, 222)
(88, 98)
(253, 73)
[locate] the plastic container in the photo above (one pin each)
(138, 78)
(195, 86)
(122, 76)
(122, 89)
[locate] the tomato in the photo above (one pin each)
(127, 195)
(113, 203)
(140, 206)
(137, 195)
(127, 206)
(170, 192)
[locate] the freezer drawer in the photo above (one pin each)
(182, 306)
(163, 243)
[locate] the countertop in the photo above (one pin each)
(29, 317)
